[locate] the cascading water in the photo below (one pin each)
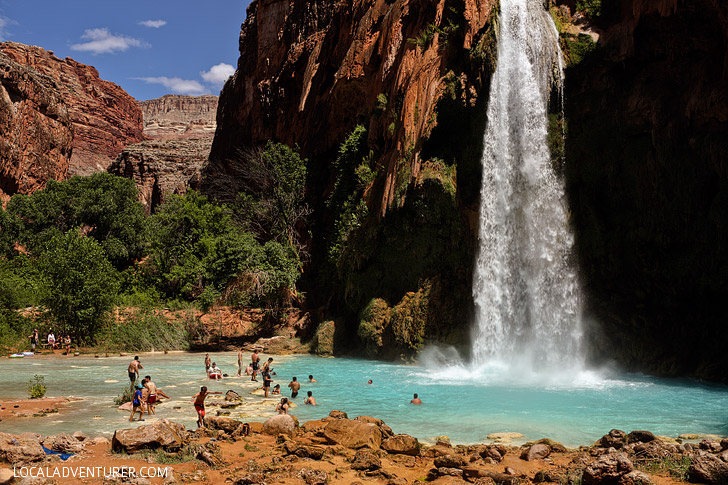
(526, 292)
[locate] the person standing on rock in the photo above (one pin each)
(199, 402)
(295, 386)
(240, 363)
(416, 400)
(133, 370)
(255, 362)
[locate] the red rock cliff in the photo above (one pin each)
(105, 118)
(174, 116)
(309, 71)
(35, 130)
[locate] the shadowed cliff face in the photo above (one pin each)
(35, 130)
(647, 173)
(105, 118)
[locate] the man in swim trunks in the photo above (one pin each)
(137, 403)
(153, 393)
(199, 401)
(208, 361)
(416, 400)
(295, 386)
(310, 399)
(214, 372)
(240, 362)
(134, 367)
(255, 361)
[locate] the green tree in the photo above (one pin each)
(103, 205)
(78, 285)
(9, 233)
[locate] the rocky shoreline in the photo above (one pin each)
(340, 450)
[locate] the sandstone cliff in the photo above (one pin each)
(162, 167)
(647, 177)
(35, 130)
(105, 118)
(175, 116)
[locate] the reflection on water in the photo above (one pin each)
(461, 402)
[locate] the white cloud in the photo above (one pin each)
(4, 23)
(177, 85)
(155, 24)
(218, 74)
(101, 41)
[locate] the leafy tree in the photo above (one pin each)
(18, 282)
(9, 232)
(78, 285)
(103, 205)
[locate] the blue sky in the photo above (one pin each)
(148, 47)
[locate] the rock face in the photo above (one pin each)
(35, 129)
(647, 180)
(162, 167)
(164, 434)
(353, 434)
(175, 116)
(24, 448)
(280, 424)
(105, 118)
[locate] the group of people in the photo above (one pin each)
(146, 392)
(63, 343)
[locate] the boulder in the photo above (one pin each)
(450, 461)
(80, 436)
(353, 434)
(232, 396)
(6, 476)
(279, 424)
(19, 449)
(708, 469)
(614, 439)
(164, 434)
(607, 469)
(500, 478)
(100, 440)
(402, 444)
(712, 446)
(338, 414)
(640, 437)
(250, 479)
(492, 452)
(366, 460)
(313, 477)
(538, 451)
(64, 443)
(306, 451)
(225, 424)
(636, 477)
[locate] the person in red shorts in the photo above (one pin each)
(199, 401)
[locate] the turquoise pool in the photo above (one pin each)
(574, 407)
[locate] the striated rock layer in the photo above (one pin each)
(176, 116)
(105, 118)
(162, 167)
(647, 173)
(35, 130)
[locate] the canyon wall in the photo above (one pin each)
(105, 118)
(176, 116)
(35, 130)
(647, 174)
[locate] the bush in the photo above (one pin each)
(147, 331)
(37, 387)
(14, 331)
(126, 396)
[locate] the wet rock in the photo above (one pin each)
(279, 424)
(536, 452)
(366, 460)
(640, 437)
(313, 477)
(402, 444)
(614, 439)
(338, 414)
(232, 396)
(607, 469)
(63, 443)
(709, 469)
(353, 434)
(450, 461)
(507, 437)
(19, 449)
(164, 434)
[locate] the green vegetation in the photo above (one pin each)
(37, 387)
(127, 395)
(576, 47)
(556, 139)
(72, 252)
(677, 467)
(592, 8)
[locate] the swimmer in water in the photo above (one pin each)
(416, 400)
(311, 379)
(282, 406)
(295, 386)
(370, 381)
(310, 399)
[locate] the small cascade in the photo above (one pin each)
(525, 286)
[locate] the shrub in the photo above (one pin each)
(146, 331)
(126, 396)
(37, 387)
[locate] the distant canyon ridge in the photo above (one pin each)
(58, 118)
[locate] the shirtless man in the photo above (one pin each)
(310, 399)
(267, 379)
(255, 362)
(295, 386)
(240, 362)
(134, 367)
(154, 391)
(311, 379)
(199, 402)
(282, 406)
(416, 400)
(208, 361)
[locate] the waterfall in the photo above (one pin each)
(525, 287)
